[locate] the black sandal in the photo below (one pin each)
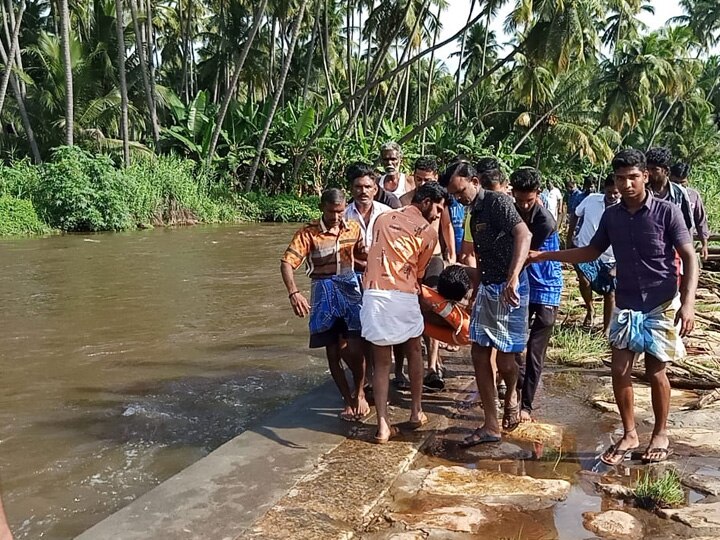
(511, 418)
(664, 454)
(614, 452)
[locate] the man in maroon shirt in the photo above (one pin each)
(650, 317)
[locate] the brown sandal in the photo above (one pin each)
(394, 432)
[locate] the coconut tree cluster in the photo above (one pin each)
(280, 93)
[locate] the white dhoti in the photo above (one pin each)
(390, 317)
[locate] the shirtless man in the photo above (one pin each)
(426, 170)
(394, 181)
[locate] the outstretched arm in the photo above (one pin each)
(448, 235)
(570, 256)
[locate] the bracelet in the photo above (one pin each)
(293, 294)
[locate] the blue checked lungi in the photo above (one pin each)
(599, 275)
(496, 324)
(654, 333)
(336, 297)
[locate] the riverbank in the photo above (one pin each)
(81, 192)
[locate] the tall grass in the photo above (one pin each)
(662, 492)
(706, 179)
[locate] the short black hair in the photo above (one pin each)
(485, 164)
(426, 163)
(332, 196)
(526, 180)
(609, 180)
(659, 156)
(491, 177)
(463, 168)
(359, 169)
(454, 283)
(431, 190)
(589, 181)
(680, 170)
(629, 157)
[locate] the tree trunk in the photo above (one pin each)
(13, 44)
(149, 95)
(67, 63)
(458, 110)
(230, 90)
(276, 97)
(124, 129)
(21, 108)
(348, 46)
(311, 53)
(369, 85)
(431, 73)
(18, 56)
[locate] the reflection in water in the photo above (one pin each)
(125, 358)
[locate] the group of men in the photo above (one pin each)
(368, 260)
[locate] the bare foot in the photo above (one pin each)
(348, 414)
(525, 417)
(363, 408)
(589, 320)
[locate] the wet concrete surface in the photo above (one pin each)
(541, 482)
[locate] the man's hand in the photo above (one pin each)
(686, 319)
(534, 256)
(300, 305)
(704, 250)
(510, 292)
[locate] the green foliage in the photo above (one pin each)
(79, 192)
(285, 208)
(659, 492)
(18, 217)
(706, 179)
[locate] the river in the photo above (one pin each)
(126, 357)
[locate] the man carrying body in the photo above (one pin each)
(402, 248)
(597, 275)
(500, 315)
(650, 316)
(426, 170)
(330, 246)
(394, 181)
(679, 174)
(546, 284)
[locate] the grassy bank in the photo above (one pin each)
(78, 192)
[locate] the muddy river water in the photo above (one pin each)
(126, 357)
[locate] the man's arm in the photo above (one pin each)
(297, 300)
(572, 223)
(521, 248)
(5, 533)
(703, 231)
(688, 287)
(570, 256)
(448, 235)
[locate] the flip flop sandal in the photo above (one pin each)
(419, 423)
(664, 454)
(394, 432)
(614, 452)
(511, 418)
(347, 417)
(478, 437)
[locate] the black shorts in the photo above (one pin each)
(433, 271)
(330, 337)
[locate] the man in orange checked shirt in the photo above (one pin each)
(402, 247)
(329, 247)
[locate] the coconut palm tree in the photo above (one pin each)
(64, 13)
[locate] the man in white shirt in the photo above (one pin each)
(364, 208)
(599, 275)
(552, 199)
